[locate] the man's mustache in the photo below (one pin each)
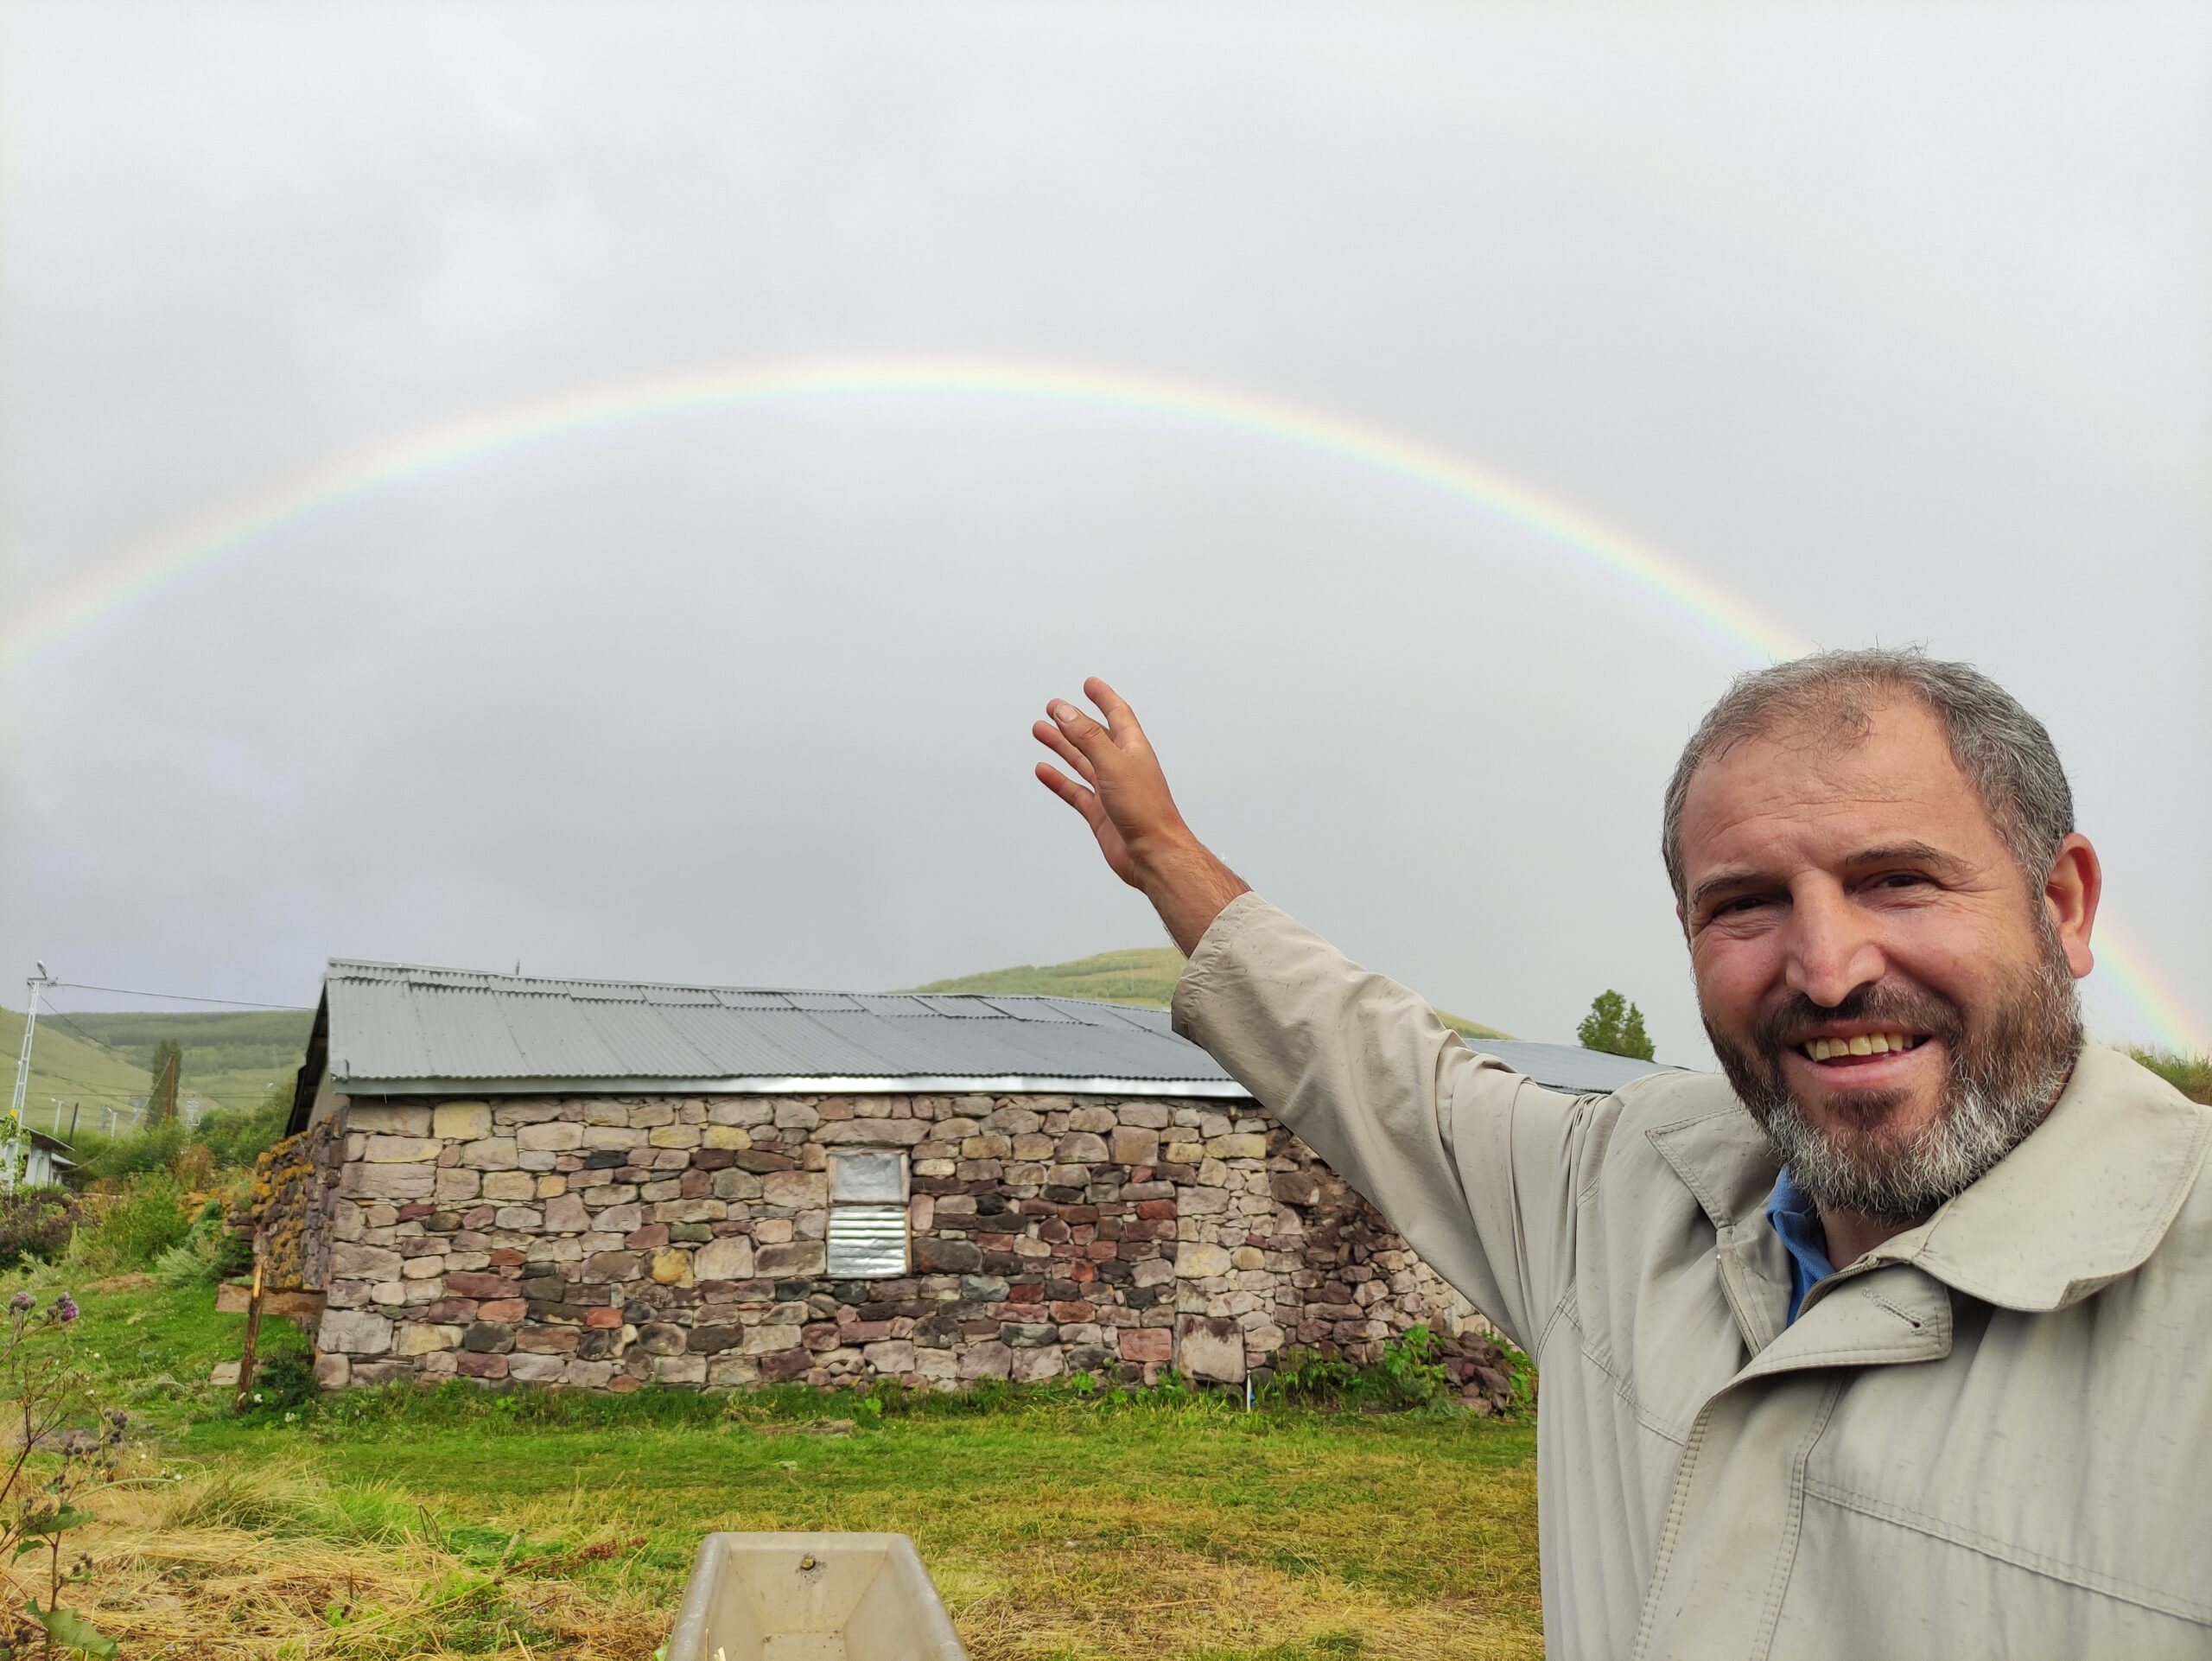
(1797, 1018)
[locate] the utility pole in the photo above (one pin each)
(23, 1055)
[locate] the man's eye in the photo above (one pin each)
(1741, 903)
(1900, 880)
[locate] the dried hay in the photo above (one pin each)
(273, 1562)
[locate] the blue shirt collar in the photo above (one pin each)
(1797, 1220)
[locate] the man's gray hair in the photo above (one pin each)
(1999, 745)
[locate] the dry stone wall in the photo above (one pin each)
(605, 1242)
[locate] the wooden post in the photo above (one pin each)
(252, 1340)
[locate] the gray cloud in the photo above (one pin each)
(1891, 322)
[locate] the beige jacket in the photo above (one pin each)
(1992, 1436)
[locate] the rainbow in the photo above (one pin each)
(413, 456)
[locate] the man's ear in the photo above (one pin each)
(2070, 893)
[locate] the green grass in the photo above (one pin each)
(1140, 975)
(1170, 1526)
(2189, 1074)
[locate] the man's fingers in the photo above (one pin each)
(1053, 739)
(1120, 718)
(1068, 791)
(1086, 734)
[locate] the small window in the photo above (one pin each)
(868, 1216)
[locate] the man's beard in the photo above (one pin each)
(2003, 1074)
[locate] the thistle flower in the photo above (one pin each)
(64, 1309)
(20, 1303)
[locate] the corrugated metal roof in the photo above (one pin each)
(393, 1027)
(1566, 1067)
(392, 1024)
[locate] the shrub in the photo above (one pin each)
(1409, 1375)
(36, 1223)
(134, 1226)
(107, 1159)
(238, 1136)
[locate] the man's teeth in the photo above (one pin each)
(1823, 1049)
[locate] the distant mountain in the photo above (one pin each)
(1140, 975)
(93, 1062)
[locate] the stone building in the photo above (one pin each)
(598, 1184)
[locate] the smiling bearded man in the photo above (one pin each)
(1886, 1345)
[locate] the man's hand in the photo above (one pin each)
(1130, 811)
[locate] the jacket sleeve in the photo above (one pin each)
(1468, 1159)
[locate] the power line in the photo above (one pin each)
(182, 997)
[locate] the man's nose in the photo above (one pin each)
(1832, 948)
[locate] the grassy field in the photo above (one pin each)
(453, 1522)
(1140, 975)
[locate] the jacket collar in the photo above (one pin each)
(2083, 1201)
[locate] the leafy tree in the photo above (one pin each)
(167, 1066)
(1615, 1026)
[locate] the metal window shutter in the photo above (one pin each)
(866, 1242)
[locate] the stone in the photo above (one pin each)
(934, 1255)
(990, 1359)
(488, 1338)
(474, 1283)
(411, 1181)
(1293, 1187)
(766, 1339)
(1081, 1148)
(1247, 1258)
(489, 1153)
(509, 1186)
(892, 1356)
(680, 1370)
(456, 1186)
(1131, 1146)
(471, 1363)
(726, 1258)
(726, 1137)
(1147, 1344)
(461, 1121)
(353, 1332)
(1100, 1119)
(538, 1369)
(423, 1337)
(1236, 1147)
(795, 1190)
(400, 1151)
(557, 1136)
(364, 1117)
(799, 1259)
(1195, 1260)
(671, 1267)
(1035, 1366)
(363, 1263)
(226, 1374)
(1210, 1346)
(565, 1214)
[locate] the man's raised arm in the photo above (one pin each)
(1471, 1162)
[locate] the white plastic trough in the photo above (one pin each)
(812, 1597)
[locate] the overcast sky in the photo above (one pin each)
(1891, 321)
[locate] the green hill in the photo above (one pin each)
(69, 1070)
(97, 1061)
(231, 1056)
(1140, 975)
